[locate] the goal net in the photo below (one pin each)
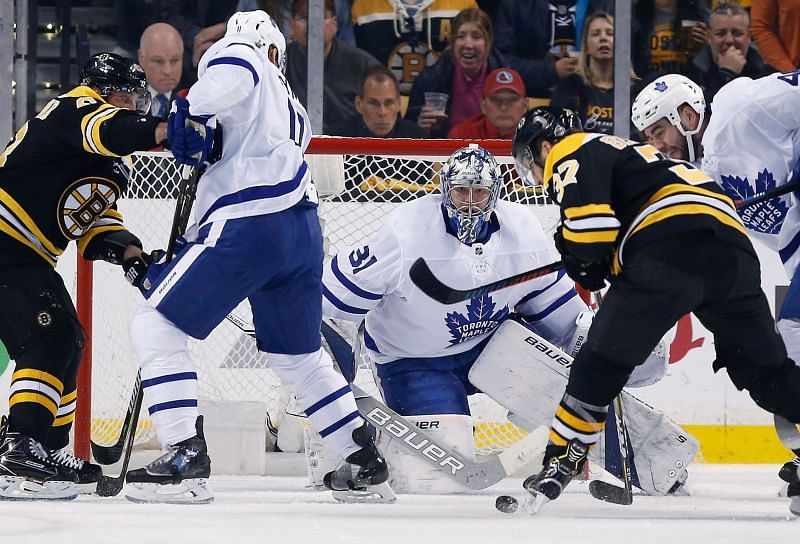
(378, 175)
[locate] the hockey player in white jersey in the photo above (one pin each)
(750, 144)
(257, 236)
(423, 350)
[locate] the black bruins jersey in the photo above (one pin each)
(617, 195)
(61, 175)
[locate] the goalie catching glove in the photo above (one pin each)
(190, 137)
(589, 275)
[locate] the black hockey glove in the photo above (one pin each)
(589, 275)
(136, 267)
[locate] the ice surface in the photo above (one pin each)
(728, 504)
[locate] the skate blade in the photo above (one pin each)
(15, 488)
(534, 502)
(87, 488)
(380, 493)
(192, 491)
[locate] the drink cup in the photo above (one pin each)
(437, 102)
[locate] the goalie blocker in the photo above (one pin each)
(527, 374)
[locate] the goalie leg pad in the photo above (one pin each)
(410, 474)
(528, 375)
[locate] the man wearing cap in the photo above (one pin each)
(503, 104)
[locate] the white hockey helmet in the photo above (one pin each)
(663, 98)
(259, 28)
(475, 168)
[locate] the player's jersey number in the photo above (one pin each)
(361, 259)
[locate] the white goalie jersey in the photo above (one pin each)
(370, 282)
(266, 132)
(751, 145)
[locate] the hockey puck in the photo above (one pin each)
(506, 504)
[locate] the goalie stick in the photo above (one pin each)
(428, 283)
(108, 455)
(471, 474)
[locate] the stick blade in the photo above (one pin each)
(607, 492)
(107, 455)
(110, 487)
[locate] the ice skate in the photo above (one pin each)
(363, 477)
(179, 476)
(562, 464)
(790, 473)
(87, 474)
(27, 472)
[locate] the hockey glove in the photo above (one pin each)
(589, 275)
(136, 268)
(190, 137)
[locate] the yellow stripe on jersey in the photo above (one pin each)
(578, 212)
(23, 130)
(687, 209)
(64, 420)
(678, 188)
(14, 233)
(556, 438)
(8, 201)
(94, 231)
(590, 236)
(90, 127)
(41, 375)
(83, 90)
(37, 398)
(69, 397)
(576, 423)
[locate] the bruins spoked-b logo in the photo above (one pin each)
(83, 202)
(44, 319)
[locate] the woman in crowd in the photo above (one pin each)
(459, 73)
(590, 90)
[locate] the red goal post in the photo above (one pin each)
(360, 180)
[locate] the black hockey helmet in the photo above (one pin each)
(108, 72)
(549, 123)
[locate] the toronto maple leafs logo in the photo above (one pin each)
(660, 86)
(479, 320)
(766, 217)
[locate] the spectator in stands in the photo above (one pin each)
(590, 90)
(405, 35)
(460, 73)
(161, 57)
(776, 29)
(729, 53)
(538, 38)
(199, 23)
(344, 65)
(503, 105)
(667, 35)
(378, 107)
(281, 13)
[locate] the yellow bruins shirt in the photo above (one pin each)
(616, 195)
(62, 174)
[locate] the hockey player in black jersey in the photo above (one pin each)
(60, 178)
(669, 242)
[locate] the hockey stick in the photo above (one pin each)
(108, 455)
(471, 474)
(428, 283)
(604, 490)
(767, 195)
(110, 487)
(788, 433)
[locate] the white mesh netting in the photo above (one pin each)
(229, 366)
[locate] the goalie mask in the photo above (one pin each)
(259, 28)
(470, 187)
(109, 73)
(663, 98)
